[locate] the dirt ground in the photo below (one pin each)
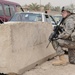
(48, 69)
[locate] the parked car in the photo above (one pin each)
(30, 17)
(7, 10)
(57, 19)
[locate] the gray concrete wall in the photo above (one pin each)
(22, 44)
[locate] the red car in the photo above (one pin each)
(7, 10)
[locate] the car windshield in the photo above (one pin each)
(30, 17)
(57, 18)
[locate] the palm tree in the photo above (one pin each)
(34, 6)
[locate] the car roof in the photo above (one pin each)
(31, 12)
(57, 15)
(8, 2)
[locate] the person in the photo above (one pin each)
(66, 39)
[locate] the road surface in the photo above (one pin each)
(48, 69)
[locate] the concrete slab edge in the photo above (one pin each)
(39, 62)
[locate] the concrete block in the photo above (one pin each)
(23, 44)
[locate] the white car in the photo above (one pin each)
(30, 17)
(57, 19)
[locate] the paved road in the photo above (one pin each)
(48, 69)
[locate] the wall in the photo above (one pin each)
(22, 44)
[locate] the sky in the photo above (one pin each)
(44, 2)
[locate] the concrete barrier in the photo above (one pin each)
(22, 45)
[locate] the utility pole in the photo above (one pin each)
(71, 2)
(40, 5)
